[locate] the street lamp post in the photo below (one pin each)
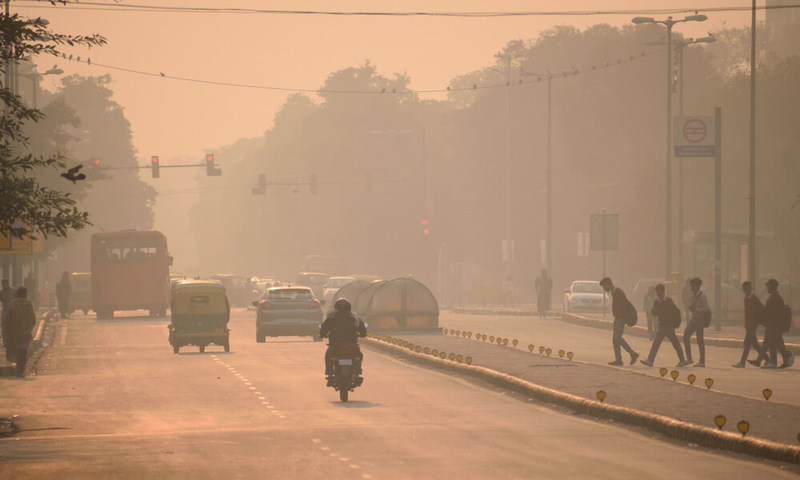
(681, 44)
(36, 76)
(669, 23)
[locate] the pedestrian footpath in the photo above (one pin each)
(674, 408)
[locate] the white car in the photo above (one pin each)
(585, 296)
(333, 286)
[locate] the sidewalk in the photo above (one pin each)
(671, 408)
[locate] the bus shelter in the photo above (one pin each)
(398, 303)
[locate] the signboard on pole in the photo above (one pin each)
(604, 231)
(694, 136)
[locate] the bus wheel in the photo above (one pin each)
(176, 349)
(227, 347)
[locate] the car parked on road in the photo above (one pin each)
(585, 296)
(333, 286)
(288, 311)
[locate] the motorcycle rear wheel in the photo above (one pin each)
(343, 394)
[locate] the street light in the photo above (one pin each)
(669, 23)
(681, 44)
(36, 76)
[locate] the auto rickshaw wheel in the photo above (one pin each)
(176, 349)
(202, 348)
(227, 347)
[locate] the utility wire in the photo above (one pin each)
(122, 7)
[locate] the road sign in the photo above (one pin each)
(694, 136)
(604, 231)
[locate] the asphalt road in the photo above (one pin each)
(593, 345)
(112, 401)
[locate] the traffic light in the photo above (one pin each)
(154, 166)
(313, 183)
(260, 188)
(426, 227)
(211, 169)
(96, 161)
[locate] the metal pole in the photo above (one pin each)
(718, 219)
(508, 163)
(681, 46)
(751, 245)
(549, 244)
(669, 152)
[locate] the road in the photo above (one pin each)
(593, 345)
(112, 401)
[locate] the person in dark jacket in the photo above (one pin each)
(341, 325)
(21, 320)
(63, 294)
(620, 306)
(753, 311)
(773, 334)
(669, 318)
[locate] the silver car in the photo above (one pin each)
(288, 311)
(585, 296)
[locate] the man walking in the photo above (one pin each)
(6, 295)
(544, 288)
(776, 326)
(63, 293)
(21, 320)
(669, 318)
(623, 312)
(701, 318)
(753, 311)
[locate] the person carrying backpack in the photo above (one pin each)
(624, 314)
(776, 323)
(701, 319)
(669, 318)
(753, 313)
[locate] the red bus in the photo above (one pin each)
(130, 271)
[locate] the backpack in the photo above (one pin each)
(630, 314)
(672, 315)
(786, 319)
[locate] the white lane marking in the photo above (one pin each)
(355, 467)
(316, 440)
(324, 449)
(364, 475)
(63, 338)
(344, 459)
(257, 393)
(281, 416)
(261, 398)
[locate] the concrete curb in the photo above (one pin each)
(36, 344)
(668, 426)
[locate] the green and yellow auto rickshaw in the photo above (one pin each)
(81, 296)
(200, 314)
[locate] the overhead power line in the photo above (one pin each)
(122, 7)
(538, 78)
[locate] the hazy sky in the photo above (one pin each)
(173, 118)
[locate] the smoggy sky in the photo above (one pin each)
(175, 118)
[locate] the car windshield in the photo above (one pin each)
(290, 295)
(339, 282)
(587, 287)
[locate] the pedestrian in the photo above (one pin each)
(624, 313)
(686, 298)
(63, 293)
(669, 318)
(544, 289)
(6, 295)
(649, 299)
(753, 316)
(700, 319)
(21, 320)
(776, 326)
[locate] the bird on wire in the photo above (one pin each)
(73, 175)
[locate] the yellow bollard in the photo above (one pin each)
(767, 392)
(744, 427)
(601, 395)
(541, 349)
(662, 371)
(570, 355)
(719, 420)
(468, 360)
(709, 383)
(548, 351)
(561, 353)
(674, 374)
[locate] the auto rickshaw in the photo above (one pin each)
(200, 314)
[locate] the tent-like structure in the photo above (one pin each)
(398, 303)
(350, 291)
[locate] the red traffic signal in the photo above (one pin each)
(211, 169)
(154, 166)
(426, 227)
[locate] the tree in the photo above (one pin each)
(23, 199)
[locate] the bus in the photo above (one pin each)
(130, 271)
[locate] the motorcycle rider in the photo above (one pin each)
(342, 325)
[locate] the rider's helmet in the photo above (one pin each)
(342, 305)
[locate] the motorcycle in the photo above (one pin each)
(346, 357)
